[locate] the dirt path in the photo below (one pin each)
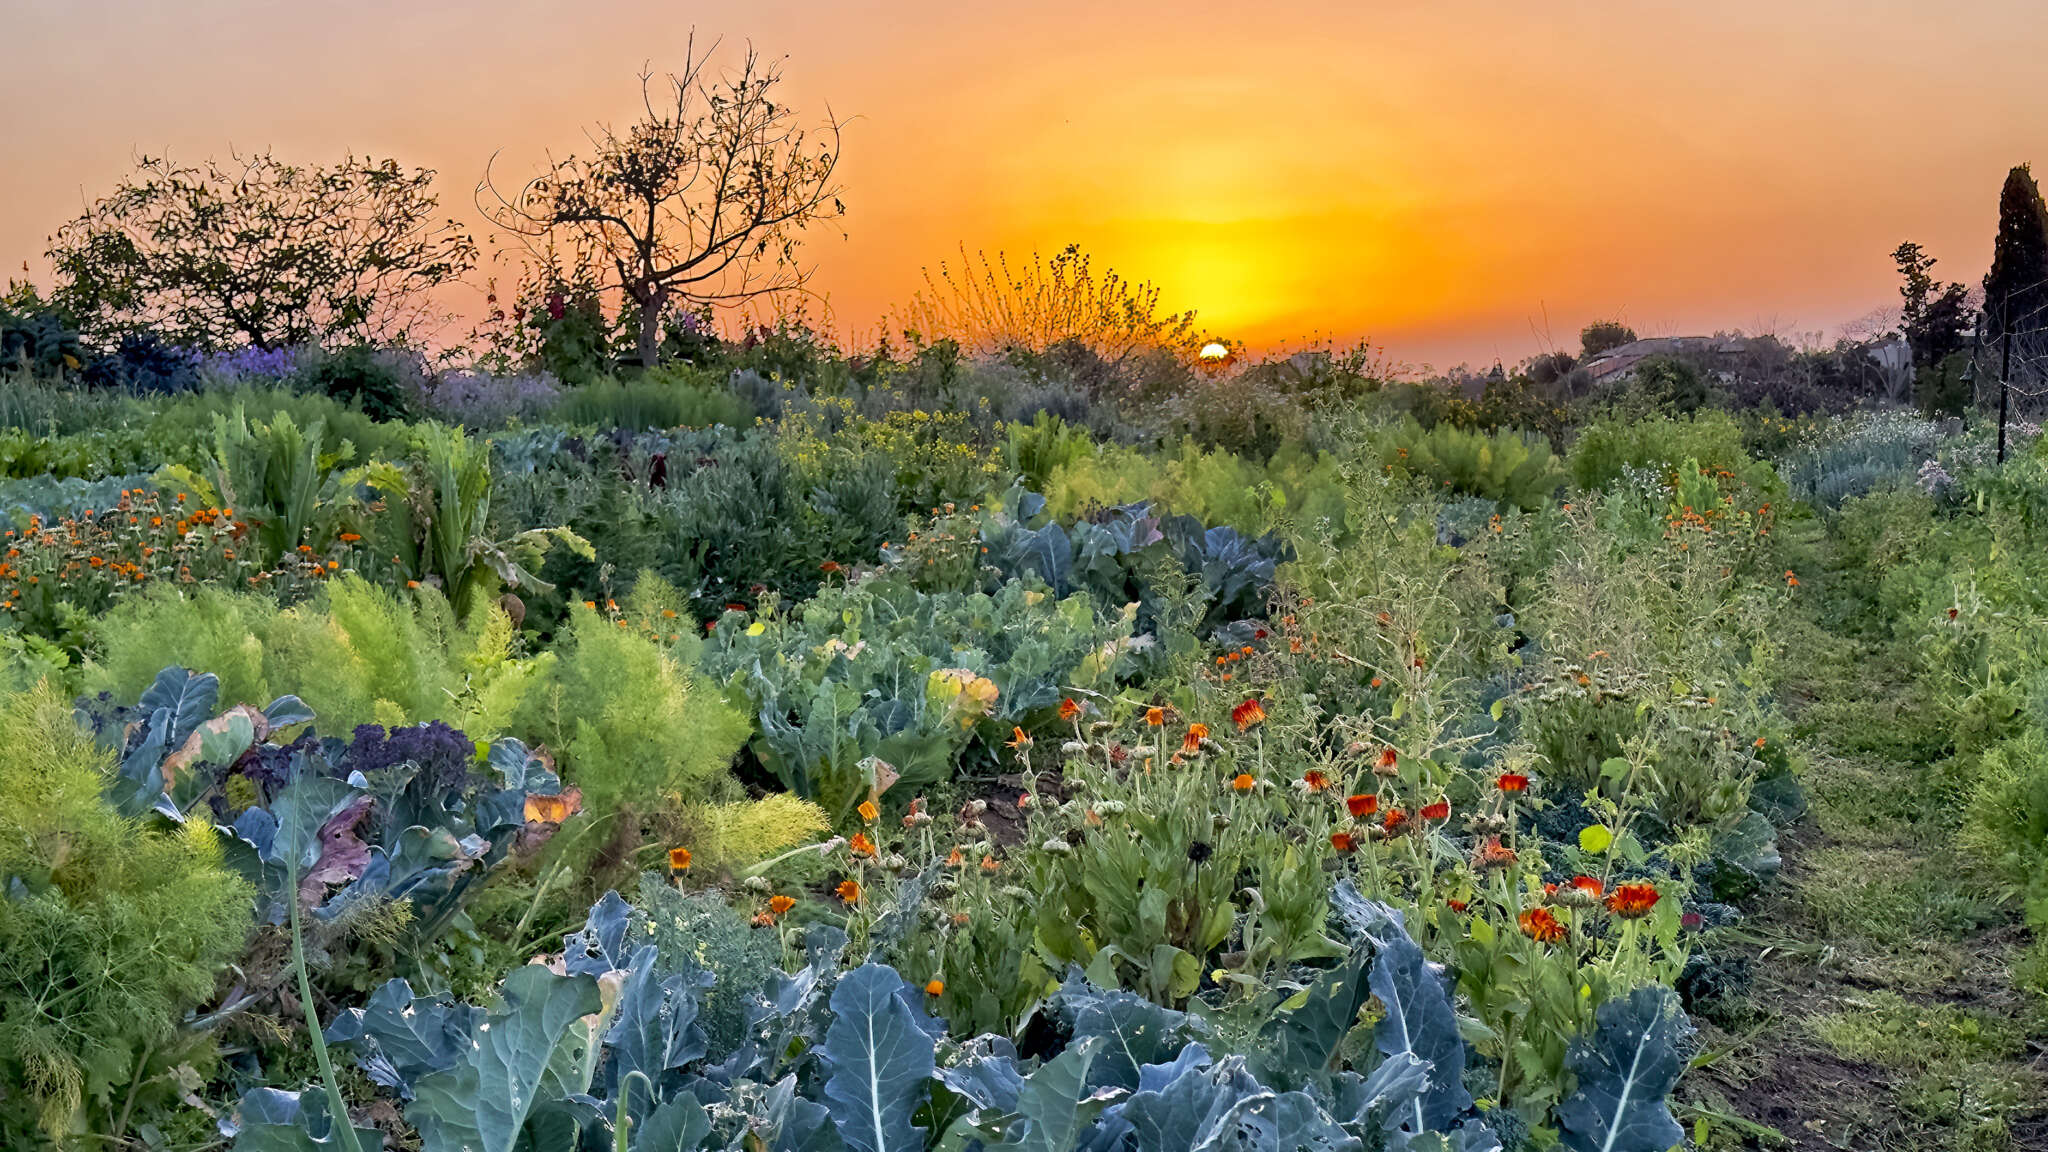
(1881, 1011)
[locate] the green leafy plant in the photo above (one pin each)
(112, 929)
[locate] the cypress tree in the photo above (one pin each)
(2017, 285)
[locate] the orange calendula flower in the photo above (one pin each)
(349, 537)
(1248, 715)
(1457, 905)
(1539, 925)
(1389, 757)
(988, 863)
(1069, 711)
(848, 891)
(935, 988)
(1362, 805)
(1244, 782)
(764, 920)
(1512, 782)
(780, 904)
(860, 845)
(1196, 734)
(1155, 717)
(1316, 779)
(1632, 901)
(1588, 884)
(1343, 841)
(1393, 820)
(1376, 682)
(679, 859)
(1017, 739)
(1441, 810)
(955, 858)
(868, 811)
(1791, 581)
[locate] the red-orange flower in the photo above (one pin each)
(1389, 758)
(1069, 711)
(1316, 779)
(934, 988)
(1441, 810)
(861, 845)
(1155, 717)
(780, 904)
(1512, 782)
(1458, 905)
(1492, 854)
(1248, 715)
(1376, 682)
(1791, 581)
(1343, 841)
(1362, 806)
(1588, 884)
(1393, 820)
(1539, 925)
(1244, 782)
(1017, 739)
(849, 891)
(679, 859)
(1196, 734)
(1632, 901)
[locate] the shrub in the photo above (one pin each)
(658, 398)
(1511, 469)
(1611, 444)
(381, 383)
(112, 930)
(629, 719)
(878, 671)
(355, 653)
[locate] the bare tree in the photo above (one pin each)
(701, 202)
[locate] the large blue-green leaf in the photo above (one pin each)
(481, 1104)
(269, 1120)
(654, 1027)
(399, 1037)
(1177, 1115)
(601, 946)
(1419, 1021)
(1300, 1042)
(1625, 1072)
(1055, 1105)
(986, 1075)
(680, 1124)
(521, 770)
(880, 1060)
(1138, 1031)
(189, 699)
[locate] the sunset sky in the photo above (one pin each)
(1457, 181)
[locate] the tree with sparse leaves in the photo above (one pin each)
(260, 252)
(704, 201)
(1934, 317)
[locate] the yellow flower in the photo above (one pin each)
(869, 812)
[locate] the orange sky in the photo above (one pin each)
(1441, 177)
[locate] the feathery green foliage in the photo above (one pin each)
(109, 933)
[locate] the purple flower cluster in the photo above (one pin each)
(481, 400)
(254, 363)
(442, 753)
